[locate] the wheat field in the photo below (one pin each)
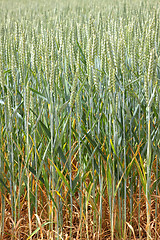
(79, 120)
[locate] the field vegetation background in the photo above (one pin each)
(79, 119)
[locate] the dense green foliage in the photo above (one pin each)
(80, 114)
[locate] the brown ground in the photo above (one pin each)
(21, 230)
